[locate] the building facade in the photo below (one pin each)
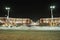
(50, 21)
(14, 21)
(28, 22)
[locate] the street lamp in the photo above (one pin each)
(52, 7)
(8, 10)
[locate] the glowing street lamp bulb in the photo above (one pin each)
(52, 7)
(7, 8)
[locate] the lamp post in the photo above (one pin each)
(8, 10)
(52, 7)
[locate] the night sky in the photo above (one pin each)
(33, 10)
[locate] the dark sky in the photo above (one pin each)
(33, 10)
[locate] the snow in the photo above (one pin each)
(31, 28)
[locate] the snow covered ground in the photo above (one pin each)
(31, 28)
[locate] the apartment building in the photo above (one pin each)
(50, 21)
(14, 21)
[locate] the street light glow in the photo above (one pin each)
(52, 7)
(7, 8)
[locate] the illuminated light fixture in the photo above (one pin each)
(52, 7)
